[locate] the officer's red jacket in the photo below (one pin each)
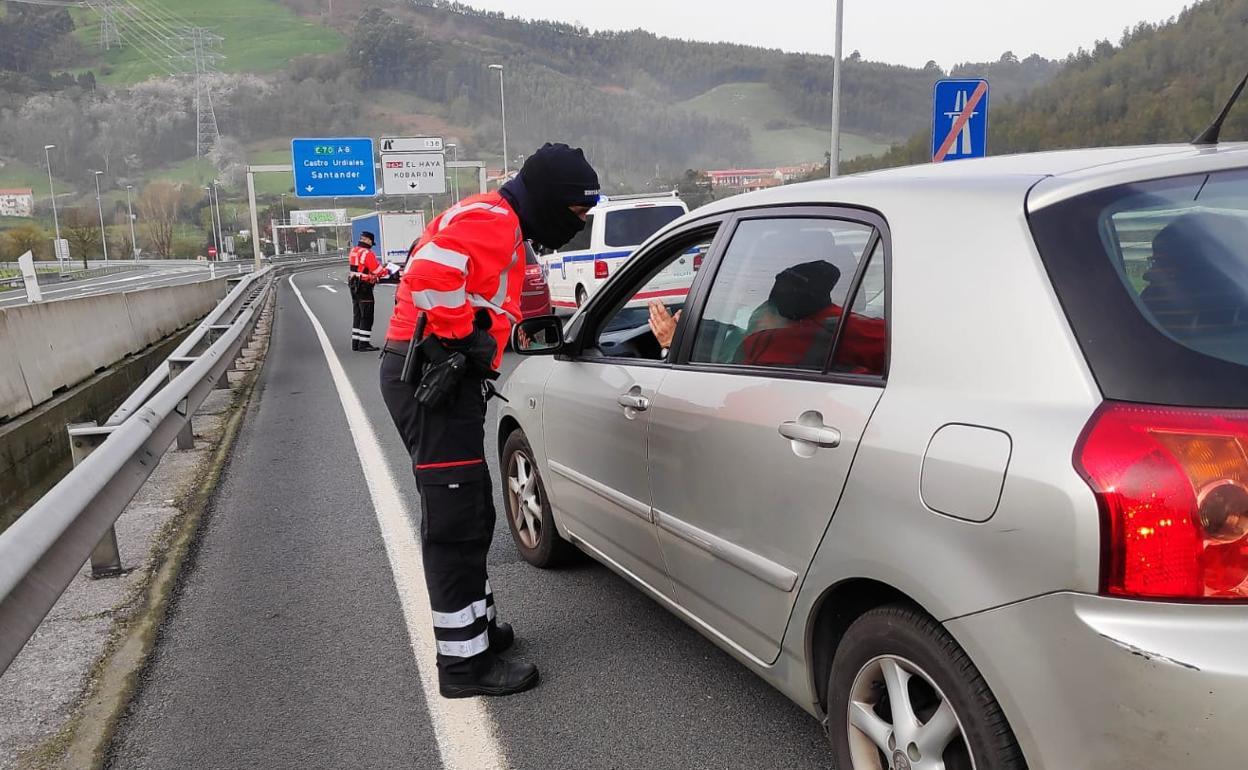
(363, 263)
(470, 257)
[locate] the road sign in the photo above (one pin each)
(333, 168)
(62, 249)
(411, 144)
(960, 120)
(319, 218)
(212, 251)
(413, 173)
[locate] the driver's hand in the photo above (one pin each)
(663, 323)
(523, 338)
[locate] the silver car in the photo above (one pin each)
(954, 456)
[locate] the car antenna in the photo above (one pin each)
(1210, 134)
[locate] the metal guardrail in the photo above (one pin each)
(43, 550)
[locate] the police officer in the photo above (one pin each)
(364, 272)
(462, 289)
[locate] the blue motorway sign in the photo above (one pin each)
(333, 168)
(960, 120)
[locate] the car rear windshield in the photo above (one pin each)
(1154, 279)
(629, 227)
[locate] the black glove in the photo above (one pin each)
(479, 348)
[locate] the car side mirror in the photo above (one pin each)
(538, 336)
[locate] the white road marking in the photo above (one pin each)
(464, 730)
(327, 287)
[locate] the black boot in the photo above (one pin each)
(501, 637)
(494, 676)
(355, 344)
(368, 347)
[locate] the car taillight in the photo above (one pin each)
(533, 274)
(1172, 484)
(600, 268)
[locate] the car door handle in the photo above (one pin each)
(818, 435)
(633, 401)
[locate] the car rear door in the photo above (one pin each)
(754, 430)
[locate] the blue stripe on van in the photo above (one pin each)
(592, 257)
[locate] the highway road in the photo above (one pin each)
(143, 277)
(298, 634)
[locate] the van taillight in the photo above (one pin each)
(1172, 484)
(697, 261)
(600, 268)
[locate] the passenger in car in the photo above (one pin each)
(1198, 276)
(795, 327)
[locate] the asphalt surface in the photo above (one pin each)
(145, 277)
(286, 645)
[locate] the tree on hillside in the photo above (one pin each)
(161, 205)
(81, 227)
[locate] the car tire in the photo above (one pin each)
(900, 648)
(535, 536)
(582, 296)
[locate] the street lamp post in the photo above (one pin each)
(212, 214)
(455, 172)
(99, 204)
(56, 222)
(216, 199)
(134, 244)
(834, 159)
(282, 238)
(502, 103)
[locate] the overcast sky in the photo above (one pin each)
(896, 31)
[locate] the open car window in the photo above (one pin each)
(625, 330)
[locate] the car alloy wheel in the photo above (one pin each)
(900, 720)
(582, 296)
(524, 500)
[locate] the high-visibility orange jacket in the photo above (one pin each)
(363, 264)
(470, 257)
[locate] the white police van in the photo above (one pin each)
(614, 229)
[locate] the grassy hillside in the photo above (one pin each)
(777, 135)
(260, 36)
(15, 173)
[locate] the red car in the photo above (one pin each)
(535, 296)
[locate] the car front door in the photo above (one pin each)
(753, 431)
(597, 418)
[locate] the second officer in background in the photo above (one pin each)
(364, 271)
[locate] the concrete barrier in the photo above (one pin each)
(51, 346)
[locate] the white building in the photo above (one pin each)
(17, 202)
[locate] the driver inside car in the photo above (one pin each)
(796, 325)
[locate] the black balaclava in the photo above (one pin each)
(552, 179)
(803, 290)
(372, 239)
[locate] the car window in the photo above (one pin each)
(530, 256)
(864, 343)
(779, 293)
(1183, 253)
(582, 240)
(630, 227)
(626, 331)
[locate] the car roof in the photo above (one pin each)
(1055, 175)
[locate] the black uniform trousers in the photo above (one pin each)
(447, 447)
(361, 310)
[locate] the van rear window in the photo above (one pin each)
(629, 227)
(1154, 278)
